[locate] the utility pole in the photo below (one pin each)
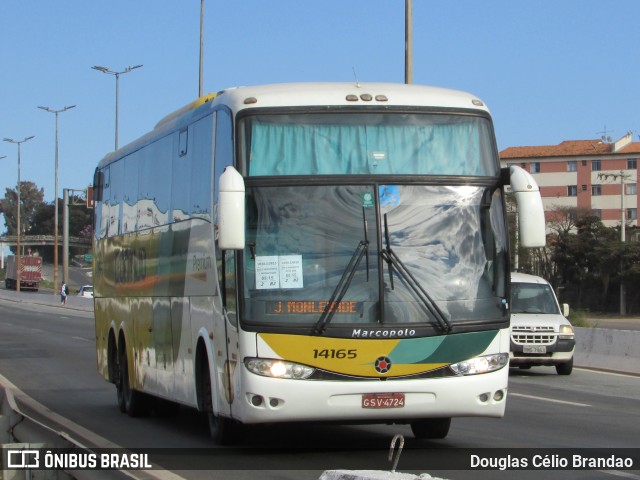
(70, 197)
(1, 243)
(200, 78)
(55, 198)
(18, 232)
(623, 223)
(408, 41)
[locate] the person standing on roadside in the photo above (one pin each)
(63, 293)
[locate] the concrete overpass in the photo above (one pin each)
(41, 240)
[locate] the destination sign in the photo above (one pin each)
(286, 307)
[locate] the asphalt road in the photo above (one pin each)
(78, 276)
(48, 352)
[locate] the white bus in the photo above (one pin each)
(310, 252)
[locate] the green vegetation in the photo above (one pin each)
(580, 318)
(584, 261)
(37, 216)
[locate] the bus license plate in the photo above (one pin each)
(382, 400)
(534, 349)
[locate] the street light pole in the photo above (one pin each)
(18, 258)
(408, 41)
(55, 197)
(2, 244)
(200, 80)
(623, 223)
(117, 75)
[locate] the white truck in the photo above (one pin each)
(541, 334)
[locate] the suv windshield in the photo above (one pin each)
(533, 298)
(373, 254)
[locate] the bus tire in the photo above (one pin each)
(134, 403)
(431, 428)
(222, 430)
(119, 390)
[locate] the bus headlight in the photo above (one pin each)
(478, 365)
(267, 367)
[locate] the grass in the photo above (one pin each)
(580, 318)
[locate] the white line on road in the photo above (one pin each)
(544, 399)
(618, 473)
(606, 372)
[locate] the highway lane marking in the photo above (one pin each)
(544, 399)
(618, 473)
(606, 372)
(83, 339)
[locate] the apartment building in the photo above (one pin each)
(598, 175)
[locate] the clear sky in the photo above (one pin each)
(549, 70)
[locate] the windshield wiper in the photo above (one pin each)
(345, 281)
(393, 261)
(342, 287)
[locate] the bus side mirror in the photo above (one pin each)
(532, 226)
(98, 182)
(231, 219)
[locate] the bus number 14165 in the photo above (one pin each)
(335, 353)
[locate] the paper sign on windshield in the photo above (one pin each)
(279, 271)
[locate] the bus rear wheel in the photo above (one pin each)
(135, 404)
(431, 428)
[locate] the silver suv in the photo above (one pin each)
(540, 331)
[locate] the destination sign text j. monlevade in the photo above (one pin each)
(286, 307)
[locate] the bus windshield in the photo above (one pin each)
(343, 143)
(314, 250)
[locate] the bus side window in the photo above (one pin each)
(223, 147)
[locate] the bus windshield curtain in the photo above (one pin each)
(295, 149)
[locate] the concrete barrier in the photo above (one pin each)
(372, 475)
(607, 349)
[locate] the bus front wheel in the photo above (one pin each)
(223, 431)
(431, 428)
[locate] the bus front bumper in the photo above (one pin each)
(271, 400)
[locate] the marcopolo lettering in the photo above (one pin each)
(378, 333)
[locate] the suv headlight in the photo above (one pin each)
(566, 332)
(478, 365)
(267, 367)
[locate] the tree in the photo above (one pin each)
(562, 219)
(588, 261)
(583, 259)
(37, 217)
(30, 198)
